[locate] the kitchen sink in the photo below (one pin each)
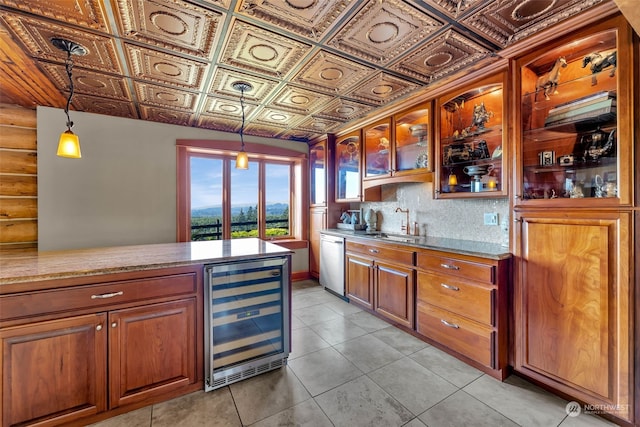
(395, 238)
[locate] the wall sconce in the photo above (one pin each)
(242, 160)
(453, 182)
(69, 143)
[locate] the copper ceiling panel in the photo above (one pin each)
(106, 106)
(318, 125)
(443, 56)
(162, 96)
(381, 89)
(343, 110)
(257, 50)
(218, 123)
(224, 79)
(86, 13)
(36, 35)
(279, 118)
(456, 8)
(299, 99)
(382, 31)
(331, 73)
(88, 82)
(508, 21)
(170, 24)
(308, 18)
(156, 66)
(216, 106)
(163, 115)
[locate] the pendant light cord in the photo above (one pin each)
(242, 125)
(69, 67)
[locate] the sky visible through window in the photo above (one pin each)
(206, 183)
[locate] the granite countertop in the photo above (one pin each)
(463, 247)
(36, 266)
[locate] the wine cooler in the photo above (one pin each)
(246, 319)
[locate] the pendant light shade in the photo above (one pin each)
(69, 143)
(242, 160)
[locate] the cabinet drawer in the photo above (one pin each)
(459, 334)
(452, 266)
(95, 296)
(469, 300)
(386, 253)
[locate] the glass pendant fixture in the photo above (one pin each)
(69, 143)
(242, 159)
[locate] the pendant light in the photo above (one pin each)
(69, 143)
(242, 160)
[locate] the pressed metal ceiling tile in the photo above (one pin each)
(381, 89)
(165, 116)
(260, 129)
(456, 8)
(171, 24)
(308, 18)
(161, 96)
(216, 106)
(331, 73)
(280, 118)
(343, 110)
(219, 123)
(254, 49)
(301, 100)
(224, 79)
(318, 125)
(87, 13)
(444, 55)
(88, 82)
(100, 105)
(36, 35)
(508, 21)
(382, 31)
(156, 66)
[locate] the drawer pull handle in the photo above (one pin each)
(450, 267)
(275, 273)
(374, 251)
(449, 324)
(450, 287)
(109, 295)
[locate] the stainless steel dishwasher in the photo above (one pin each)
(332, 263)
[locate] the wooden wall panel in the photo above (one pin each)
(18, 179)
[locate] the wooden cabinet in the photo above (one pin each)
(461, 304)
(103, 343)
(473, 141)
(317, 223)
(377, 150)
(348, 171)
(380, 277)
(318, 173)
(573, 297)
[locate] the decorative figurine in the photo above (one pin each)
(480, 116)
(599, 63)
(345, 218)
(549, 82)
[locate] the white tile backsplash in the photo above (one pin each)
(451, 218)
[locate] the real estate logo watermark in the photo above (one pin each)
(573, 409)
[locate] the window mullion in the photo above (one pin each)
(226, 198)
(262, 205)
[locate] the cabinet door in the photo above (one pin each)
(318, 174)
(347, 164)
(152, 350)
(472, 141)
(359, 276)
(54, 372)
(576, 127)
(377, 150)
(394, 293)
(572, 305)
(317, 222)
(412, 140)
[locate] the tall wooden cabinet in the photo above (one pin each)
(573, 298)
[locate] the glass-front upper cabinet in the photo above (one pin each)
(377, 149)
(318, 174)
(412, 140)
(472, 142)
(347, 164)
(570, 124)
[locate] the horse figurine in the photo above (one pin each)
(599, 63)
(548, 82)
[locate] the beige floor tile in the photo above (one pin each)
(400, 340)
(461, 409)
(138, 418)
(368, 352)
(447, 366)
(305, 414)
(323, 370)
(305, 340)
(195, 409)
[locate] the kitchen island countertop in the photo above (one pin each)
(32, 266)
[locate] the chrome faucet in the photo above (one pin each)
(404, 226)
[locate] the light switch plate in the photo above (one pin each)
(490, 218)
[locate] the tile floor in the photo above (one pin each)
(349, 368)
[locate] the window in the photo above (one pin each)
(217, 201)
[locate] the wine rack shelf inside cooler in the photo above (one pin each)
(247, 304)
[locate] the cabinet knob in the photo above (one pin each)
(99, 328)
(114, 324)
(449, 324)
(450, 287)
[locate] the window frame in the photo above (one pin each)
(261, 153)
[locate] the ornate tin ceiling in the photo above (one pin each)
(314, 65)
